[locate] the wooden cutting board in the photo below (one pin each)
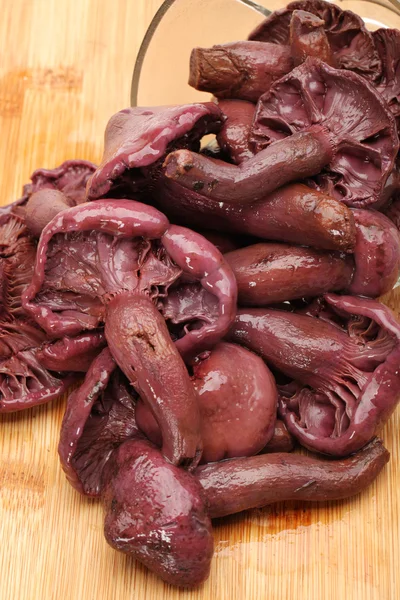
(65, 67)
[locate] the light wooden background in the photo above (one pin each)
(65, 67)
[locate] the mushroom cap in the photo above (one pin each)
(91, 252)
(24, 381)
(156, 513)
(136, 138)
(352, 45)
(376, 255)
(70, 178)
(237, 397)
(356, 115)
(387, 42)
(99, 416)
(324, 421)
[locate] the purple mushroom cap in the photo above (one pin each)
(349, 107)
(136, 138)
(352, 45)
(387, 42)
(99, 416)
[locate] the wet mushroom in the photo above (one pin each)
(17, 258)
(137, 139)
(30, 364)
(342, 363)
(237, 398)
(308, 38)
(269, 273)
(238, 484)
(100, 415)
(70, 178)
(302, 155)
(294, 213)
(240, 70)
(72, 353)
(354, 113)
(24, 381)
(387, 42)
(234, 135)
(42, 207)
(351, 44)
(156, 513)
(113, 262)
(376, 255)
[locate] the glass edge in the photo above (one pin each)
(165, 6)
(144, 46)
(394, 6)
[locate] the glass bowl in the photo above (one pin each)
(162, 66)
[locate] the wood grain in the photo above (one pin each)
(65, 67)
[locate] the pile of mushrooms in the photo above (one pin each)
(220, 300)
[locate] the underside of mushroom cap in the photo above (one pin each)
(356, 115)
(351, 44)
(136, 138)
(342, 420)
(70, 178)
(387, 42)
(24, 381)
(99, 416)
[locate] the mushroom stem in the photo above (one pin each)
(233, 138)
(270, 273)
(308, 38)
(298, 156)
(242, 70)
(244, 483)
(294, 213)
(141, 345)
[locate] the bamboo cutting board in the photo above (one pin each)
(65, 67)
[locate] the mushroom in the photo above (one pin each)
(72, 353)
(269, 273)
(100, 415)
(42, 207)
(355, 114)
(70, 178)
(237, 398)
(294, 213)
(30, 364)
(387, 42)
(156, 513)
(113, 262)
(241, 70)
(308, 38)
(139, 138)
(342, 360)
(24, 381)
(232, 486)
(17, 258)
(352, 46)
(376, 255)
(233, 138)
(302, 155)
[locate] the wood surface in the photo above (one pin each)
(65, 68)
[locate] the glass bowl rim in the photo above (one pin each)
(394, 6)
